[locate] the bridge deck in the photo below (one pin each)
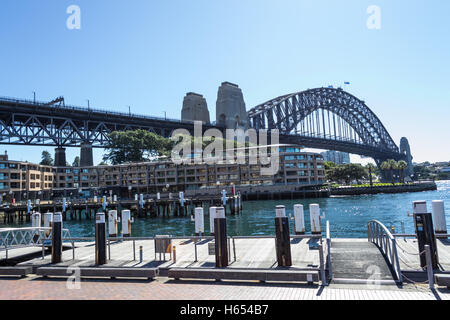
(358, 259)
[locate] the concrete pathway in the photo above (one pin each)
(164, 289)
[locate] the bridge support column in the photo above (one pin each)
(60, 157)
(86, 157)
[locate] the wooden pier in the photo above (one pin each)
(152, 207)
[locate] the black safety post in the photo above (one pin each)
(57, 237)
(100, 239)
(282, 238)
(220, 234)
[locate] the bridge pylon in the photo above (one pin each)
(60, 157)
(86, 156)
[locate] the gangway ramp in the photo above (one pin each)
(359, 261)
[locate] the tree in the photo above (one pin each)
(47, 159)
(76, 162)
(135, 146)
(389, 165)
(329, 165)
(371, 168)
(103, 163)
(346, 173)
(401, 166)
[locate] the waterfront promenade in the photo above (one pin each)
(34, 288)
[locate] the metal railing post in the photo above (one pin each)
(397, 262)
(195, 248)
(234, 249)
(323, 277)
(429, 266)
(109, 249)
(134, 251)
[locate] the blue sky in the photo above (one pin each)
(148, 54)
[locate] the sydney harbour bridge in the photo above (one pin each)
(322, 118)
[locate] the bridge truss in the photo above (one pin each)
(326, 118)
(25, 122)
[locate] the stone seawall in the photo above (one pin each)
(416, 187)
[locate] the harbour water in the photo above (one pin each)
(348, 215)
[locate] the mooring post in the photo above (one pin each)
(282, 238)
(299, 217)
(100, 239)
(199, 221)
(314, 214)
(57, 238)
(126, 223)
(220, 233)
(112, 223)
(212, 216)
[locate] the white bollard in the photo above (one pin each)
(199, 221)
(280, 211)
(212, 216)
(48, 218)
(112, 223)
(224, 197)
(440, 224)
(115, 198)
(220, 213)
(314, 215)
(420, 206)
(105, 203)
(135, 197)
(158, 196)
(141, 201)
(126, 223)
(299, 217)
(182, 198)
(36, 220)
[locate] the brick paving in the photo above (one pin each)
(163, 289)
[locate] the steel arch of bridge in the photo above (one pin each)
(326, 118)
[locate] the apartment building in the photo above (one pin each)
(296, 168)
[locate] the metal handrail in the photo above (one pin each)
(14, 238)
(380, 235)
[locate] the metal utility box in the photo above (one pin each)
(425, 236)
(163, 245)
